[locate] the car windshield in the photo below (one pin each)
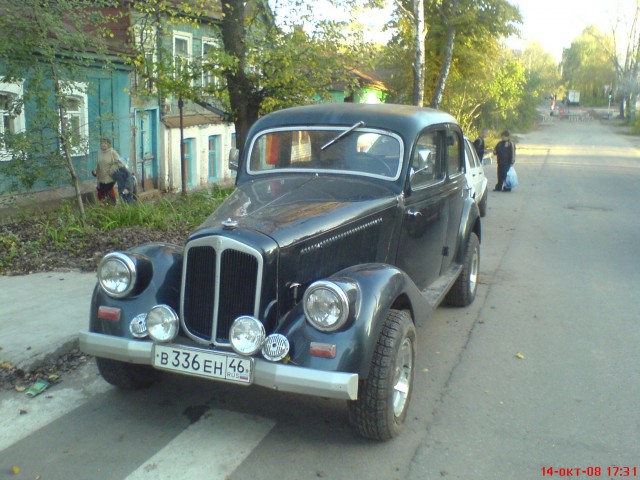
(359, 151)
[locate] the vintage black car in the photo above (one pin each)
(348, 225)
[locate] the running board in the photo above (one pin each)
(436, 292)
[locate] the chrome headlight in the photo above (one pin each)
(246, 335)
(326, 306)
(162, 323)
(117, 274)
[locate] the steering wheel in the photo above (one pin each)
(369, 163)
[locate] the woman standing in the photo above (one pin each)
(109, 163)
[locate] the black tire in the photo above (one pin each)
(482, 206)
(464, 289)
(383, 398)
(126, 376)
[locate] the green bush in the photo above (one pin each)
(64, 228)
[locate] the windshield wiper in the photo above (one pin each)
(342, 135)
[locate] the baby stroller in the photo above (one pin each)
(126, 182)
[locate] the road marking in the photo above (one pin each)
(211, 448)
(20, 416)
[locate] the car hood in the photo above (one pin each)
(296, 208)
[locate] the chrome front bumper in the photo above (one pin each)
(276, 376)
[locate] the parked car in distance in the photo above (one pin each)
(476, 178)
(348, 226)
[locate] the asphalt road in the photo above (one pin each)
(541, 371)
(562, 277)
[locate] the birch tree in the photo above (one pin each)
(46, 47)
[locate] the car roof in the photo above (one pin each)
(406, 120)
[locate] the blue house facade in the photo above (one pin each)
(162, 124)
(97, 106)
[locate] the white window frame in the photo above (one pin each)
(209, 78)
(77, 91)
(145, 38)
(11, 90)
(189, 39)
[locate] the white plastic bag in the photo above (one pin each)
(512, 178)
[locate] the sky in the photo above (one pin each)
(555, 23)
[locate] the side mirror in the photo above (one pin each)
(234, 158)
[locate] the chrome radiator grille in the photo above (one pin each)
(220, 282)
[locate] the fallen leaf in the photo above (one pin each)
(15, 470)
(520, 356)
(20, 388)
(23, 411)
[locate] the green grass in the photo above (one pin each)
(64, 227)
(163, 213)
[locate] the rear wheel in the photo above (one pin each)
(126, 376)
(383, 398)
(463, 291)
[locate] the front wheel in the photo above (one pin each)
(383, 398)
(482, 206)
(464, 289)
(126, 376)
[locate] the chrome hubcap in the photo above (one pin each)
(402, 377)
(473, 274)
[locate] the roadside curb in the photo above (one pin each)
(39, 359)
(41, 315)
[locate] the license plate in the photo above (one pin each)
(204, 363)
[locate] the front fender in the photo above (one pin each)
(373, 289)
(161, 285)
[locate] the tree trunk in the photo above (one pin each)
(64, 141)
(244, 105)
(446, 67)
(419, 52)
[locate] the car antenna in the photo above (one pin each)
(342, 135)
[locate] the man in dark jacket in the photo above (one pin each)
(505, 151)
(478, 143)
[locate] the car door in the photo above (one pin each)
(456, 192)
(425, 210)
(474, 172)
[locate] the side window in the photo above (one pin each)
(454, 150)
(210, 47)
(469, 153)
(182, 48)
(426, 164)
(145, 39)
(11, 115)
(77, 118)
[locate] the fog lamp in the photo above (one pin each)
(138, 326)
(162, 323)
(275, 348)
(246, 335)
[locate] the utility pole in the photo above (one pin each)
(183, 166)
